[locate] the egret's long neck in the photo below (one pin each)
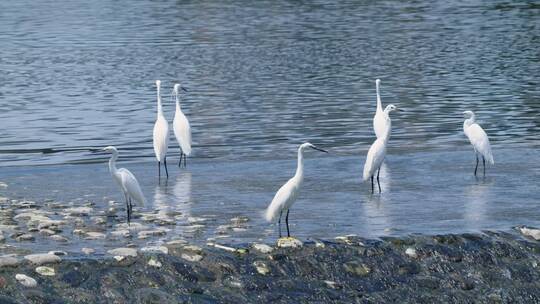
(159, 106)
(469, 121)
(300, 167)
(379, 103)
(178, 108)
(112, 163)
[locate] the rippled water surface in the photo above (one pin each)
(262, 76)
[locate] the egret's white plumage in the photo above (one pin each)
(288, 193)
(161, 132)
(381, 120)
(126, 181)
(181, 128)
(478, 138)
(377, 151)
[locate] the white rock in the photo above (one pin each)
(411, 252)
(43, 258)
(45, 271)
(193, 248)
(263, 248)
(289, 242)
(156, 249)
(119, 258)
(46, 231)
(261, 267)
(123, 252)
(534, 233)
(59, 238)
(154, 263)
(121, 233)
(148, 233)
(192, 257)
(25, 280)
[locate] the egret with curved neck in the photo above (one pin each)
(377, 153)
(288, 193)
(161, 134)
(181, 128)
(381, 120)
(479, 140)
(126, 181)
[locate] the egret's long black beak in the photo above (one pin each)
(184, 89)
(400, 109)
(319, 149)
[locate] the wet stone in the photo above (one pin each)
(26, 280)
(45, 271)
(123, 252)
(42, 258)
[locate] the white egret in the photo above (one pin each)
(479, 140)
(161, 134)
(381, 121)
(287, 194)
(181, 128)
(127, 182)
(377, 152)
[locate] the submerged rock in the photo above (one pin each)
(531, 232)
(8, 261)
(42, 258)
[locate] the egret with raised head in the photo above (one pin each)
(288, 193)
(377, 152)
(381, 121)
(161, 134)
(479, 140)
(181, 128)
(126, 181)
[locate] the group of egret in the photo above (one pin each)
(382, 126)
(181, 128)
(287, 194)
(125, 179)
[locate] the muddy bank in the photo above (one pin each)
(494, 267)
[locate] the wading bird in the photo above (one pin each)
(161, 134)
(479, 140)
(381, 121)
(287, 194)
(127, 182)
(377, 152)
(181, 128)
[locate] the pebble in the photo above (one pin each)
(25, 280)
(94, 236)
(289, 242)
(57, 252)
(47, 231)
(156, 249)
(43, 258)
(121, 233)
(88, 251)
(78, 211)
(263, 248)
(411, 252)
(123, 252)
(148, 233)
(45, 271)
(25, 237)
(59, 238)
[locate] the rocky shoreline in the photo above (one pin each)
(493, 267)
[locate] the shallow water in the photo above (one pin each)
(423, 192)
(263, 76)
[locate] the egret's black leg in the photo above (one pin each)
(185, 161)
(372, 185)
(476, 168)
(279, 223)
(484, 162)
(159, 169)
(287, 222)
(127, 205)
(378, 183)
(180, 162)
(165, 163)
